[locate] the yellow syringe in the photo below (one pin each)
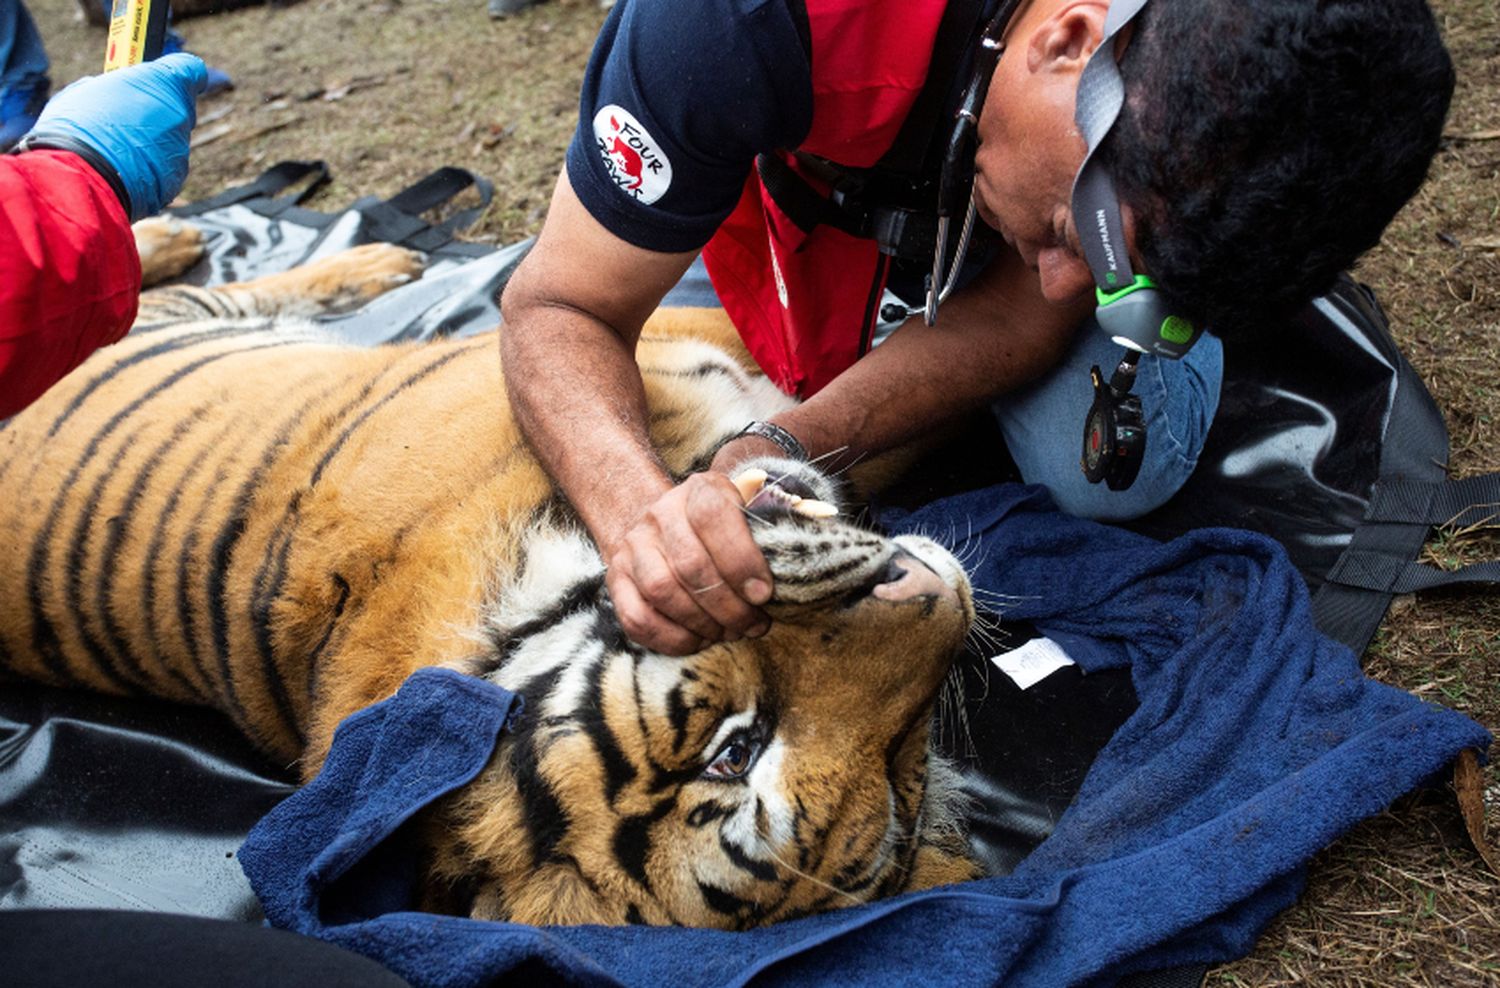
(137, 31)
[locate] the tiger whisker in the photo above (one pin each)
(836, 451)
(853, 900)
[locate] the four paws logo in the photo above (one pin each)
(635, 162)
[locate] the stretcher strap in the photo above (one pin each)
(398, 219)
(1378, 563)
(272, 181)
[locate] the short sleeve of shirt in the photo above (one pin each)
(678, 99)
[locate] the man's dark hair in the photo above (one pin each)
(1265, 144)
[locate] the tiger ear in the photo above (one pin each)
(556, 894)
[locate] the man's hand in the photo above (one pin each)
(687, 573)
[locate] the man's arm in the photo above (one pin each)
(996, 335)
(109, 149)
(683, 569)
(58, 302)
(679, 558)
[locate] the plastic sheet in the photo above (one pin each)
(126, 804)
(108, 803)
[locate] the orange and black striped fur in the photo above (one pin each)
(228, 509)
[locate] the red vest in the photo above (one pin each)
(805, 302)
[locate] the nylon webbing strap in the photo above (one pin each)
(1373, 562)
(1460, 503)
(270, 183)
(398, 219)
(1378, 562)
(804, 205)
(1373, 571)
(437, 188)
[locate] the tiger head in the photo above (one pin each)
(752, 782)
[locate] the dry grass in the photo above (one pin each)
(1399, 901)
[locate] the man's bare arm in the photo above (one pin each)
(682, 568)
(573, 312)
(996, 335)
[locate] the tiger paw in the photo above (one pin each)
(353, 277)
(338, 283)
(167, 247)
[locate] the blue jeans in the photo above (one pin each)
(1043, 424)
(22, 57)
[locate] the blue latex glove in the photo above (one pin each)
(137, 120)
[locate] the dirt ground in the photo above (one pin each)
(386, 90)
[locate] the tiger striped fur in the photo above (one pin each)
(229, 509)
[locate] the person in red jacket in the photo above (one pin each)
(1251, 152)
(104, 152)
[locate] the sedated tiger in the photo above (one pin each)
(229, 509)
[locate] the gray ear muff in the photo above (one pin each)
(1143, 319)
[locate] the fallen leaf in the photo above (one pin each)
(496, 135)
(1468, 784)
(1476, 135)
(218, 113)
(208, 135)
(338, 92)
(269, 128)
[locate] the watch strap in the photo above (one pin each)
(774, 433)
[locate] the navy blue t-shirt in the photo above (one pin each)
(679, 98)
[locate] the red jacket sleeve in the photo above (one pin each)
(69, 273)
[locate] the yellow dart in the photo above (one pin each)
(137, 30)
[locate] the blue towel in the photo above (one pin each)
(1256, 742)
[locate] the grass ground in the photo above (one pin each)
(386, 90)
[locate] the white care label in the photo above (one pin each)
(1032, 662)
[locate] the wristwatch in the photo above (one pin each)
(776, 434)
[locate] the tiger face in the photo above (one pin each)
(753, 782)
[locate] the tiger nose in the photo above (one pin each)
(908, 578)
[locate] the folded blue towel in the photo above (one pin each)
(1257, 741)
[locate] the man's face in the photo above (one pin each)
(1029, 148)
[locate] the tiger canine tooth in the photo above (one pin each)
(749, 482)
(809, 508)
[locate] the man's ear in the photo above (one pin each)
(1066, 38)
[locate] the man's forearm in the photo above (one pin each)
(573, 311)
(990, 339)
(577, 396)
